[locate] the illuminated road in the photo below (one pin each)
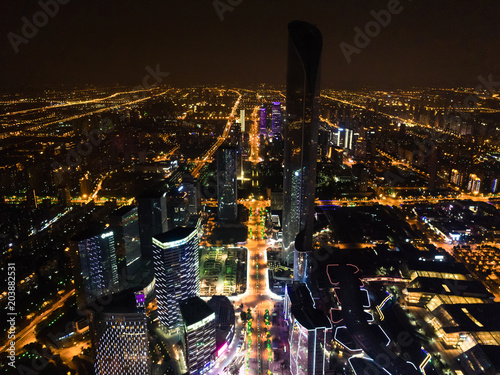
(254, 137)
(69, 104)
(38, 124)
(200, 162)
(328, 122)
(258, 297)
(27, 335)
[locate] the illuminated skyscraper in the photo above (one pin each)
(263, 120)
(176, 265)
(227, 183)
(120, 337)
(242, 121)
(308, 327)
(191, 187)
(98, 267)
(301, 139)
(276, 118)
(199, 335)
(177, 207)
(125, 222)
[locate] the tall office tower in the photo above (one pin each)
(152, 220)
(125, 224)
(177, 208)
(199, 334)
(308, 326)
(301, 142)
(276, 118)
(474, 184)
(98, 274)
(242, 120)
(120, 337)
(191, 187)
(177, 268)
(234, 136)
(226, 183)
(224, 322)
(263, 122)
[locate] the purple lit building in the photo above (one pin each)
(263, 117)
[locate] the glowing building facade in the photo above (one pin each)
(120, 338)
(263, 122)
(199, 335)
(276, 118)
(176, 267)
(308, 327)
(98, 266)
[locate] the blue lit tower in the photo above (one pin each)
(301, 139)
(227, 183)
(276, 118)
(263, 118)
(98, 276)
(176, 265)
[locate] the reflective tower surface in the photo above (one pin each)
(177, 268)
(301, 139)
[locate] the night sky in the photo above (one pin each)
(107, 42)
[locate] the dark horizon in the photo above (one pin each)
(445, 44)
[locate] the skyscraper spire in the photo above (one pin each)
(301, 138)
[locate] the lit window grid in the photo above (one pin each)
(121, 345)
(200, 345)
(177, 278)
(98, 266)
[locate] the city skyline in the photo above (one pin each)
(306, 198)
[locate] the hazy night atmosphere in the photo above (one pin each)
(243, 187)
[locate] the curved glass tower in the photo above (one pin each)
(177, 272)
(301, 141)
